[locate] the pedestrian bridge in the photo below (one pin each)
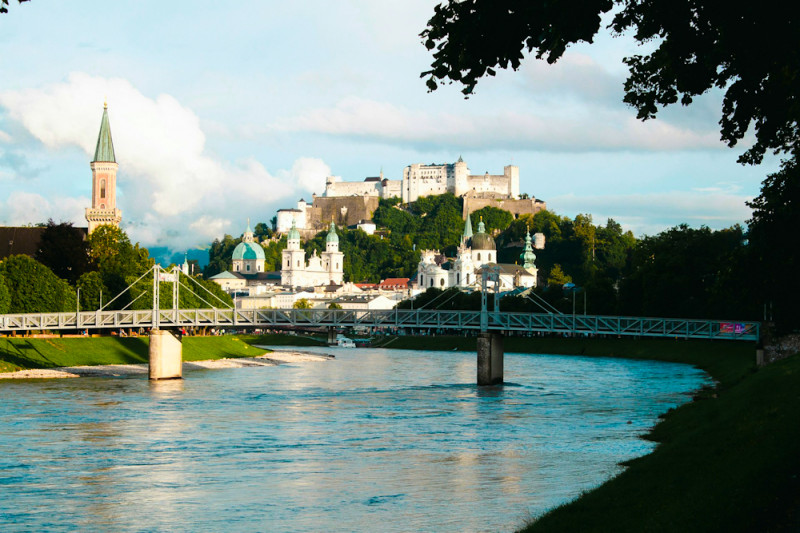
(396, 320)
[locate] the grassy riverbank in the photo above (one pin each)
(727, 461)
(22, 353)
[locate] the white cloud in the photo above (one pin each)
(310, 173)
(4, 137)
(652, 213)
(598, 130)
(22, 208)
(171, 190)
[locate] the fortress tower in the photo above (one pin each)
(104, 180)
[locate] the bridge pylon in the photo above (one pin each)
(489, 344)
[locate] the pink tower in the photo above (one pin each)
(104, 180)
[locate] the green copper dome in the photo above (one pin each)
(105, 146)
(248, 250)
(332, 236)
(293, 233)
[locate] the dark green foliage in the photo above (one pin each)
(750, 52)
(33, 288)
(5, 295)
(64, 250)
(92, 287)
(495, 219)
(262, 231)
(371, 258)
(219, 256)
(775, 258)
(685, 272)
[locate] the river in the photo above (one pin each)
(375, 440)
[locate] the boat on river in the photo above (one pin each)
(345, 342)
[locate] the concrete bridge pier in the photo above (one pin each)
(331, 336)
(490, 358)
(166, 355)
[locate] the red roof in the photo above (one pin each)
(394, 283)
(366, 285)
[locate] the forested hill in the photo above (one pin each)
(681, 272)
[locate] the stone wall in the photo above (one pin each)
(515, 207)
(343, 210)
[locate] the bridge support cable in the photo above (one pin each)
(551, 309)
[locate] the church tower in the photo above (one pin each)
(104, 180)
(293, 260)
(332, 258)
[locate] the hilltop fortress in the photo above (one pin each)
(349, 203)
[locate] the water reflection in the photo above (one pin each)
(375, 440)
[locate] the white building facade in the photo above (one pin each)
(425, 180)
(322, 269)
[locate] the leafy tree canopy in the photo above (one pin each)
(33, 288)
(5, 296)
(64, 250)
(749, 50)
(496, 219)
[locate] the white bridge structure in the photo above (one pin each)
(491, 325)
(397, 320)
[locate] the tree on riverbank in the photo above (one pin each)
(33, 288)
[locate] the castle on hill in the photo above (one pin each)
(426, 180)
(353, 203)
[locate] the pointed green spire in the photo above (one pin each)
(105, 147)
(467, 228)
(527, 255)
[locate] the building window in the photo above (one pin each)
(337, 266)
(247, 268)
(298, 263)
(458, 278)
(441, 282)
(467, 279)
(479, 256)
(431, 283)
(288, 264)
(102, 188)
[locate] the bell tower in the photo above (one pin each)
(104, 180)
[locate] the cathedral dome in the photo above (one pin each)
(248, 250)
(482, 240)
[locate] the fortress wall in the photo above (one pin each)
(515, 207)
(343, 210)
(349, 188)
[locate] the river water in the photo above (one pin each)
(376, 440)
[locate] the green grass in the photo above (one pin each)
(727, 461)
(19, 353)
(281, 339)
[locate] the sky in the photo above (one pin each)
(224, 112)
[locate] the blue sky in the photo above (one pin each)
(226, 111)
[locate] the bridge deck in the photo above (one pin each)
(396, 319)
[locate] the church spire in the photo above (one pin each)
(467, 229)
(105, 147)
(527, 255)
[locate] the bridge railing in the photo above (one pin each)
(399, 320)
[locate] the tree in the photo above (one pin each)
(749, 51)
(118, 261)
(772, 241)
(5, 296)
(493, 217)
(334, 305)
(92, 288)
(4, 3)
(64, 250)
(557, 276)
(33, 288)
(302, 303)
